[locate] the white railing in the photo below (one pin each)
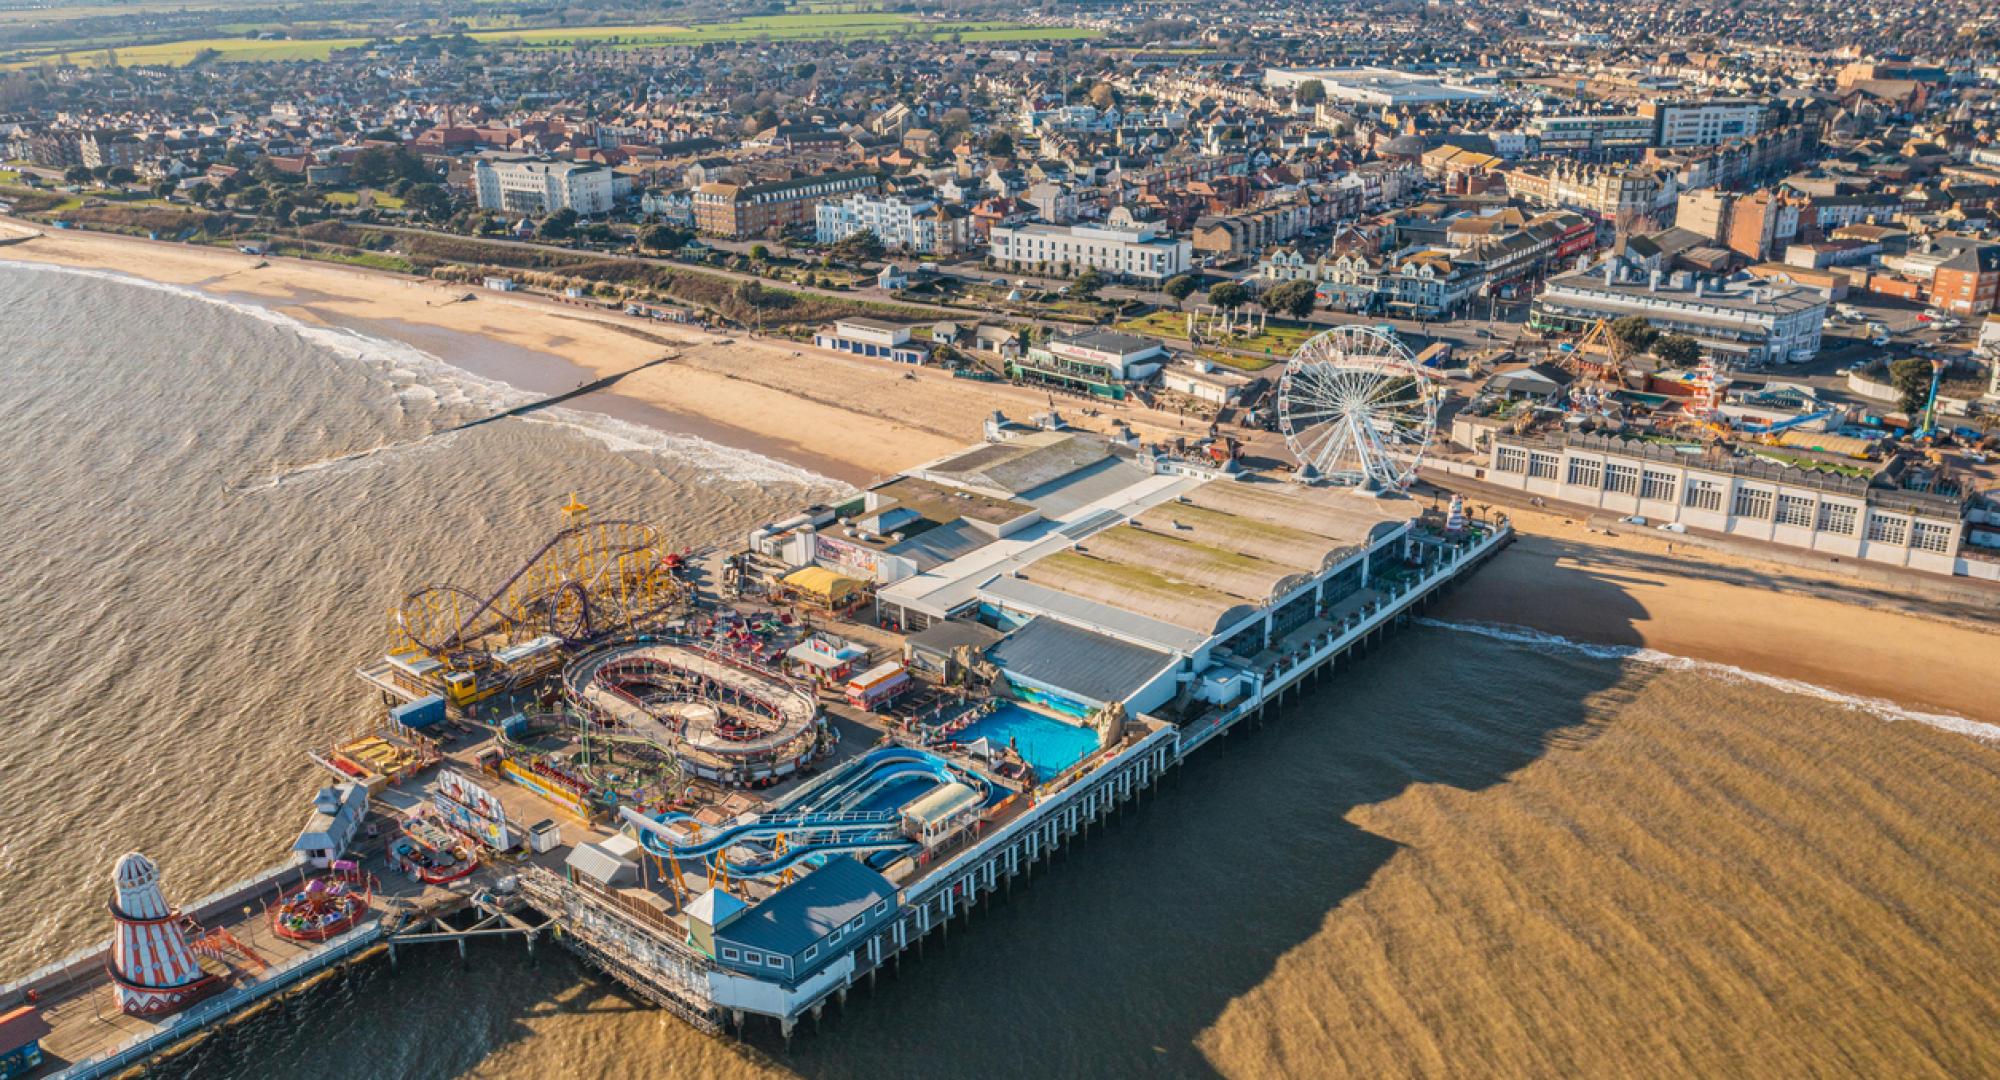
(212, 1011)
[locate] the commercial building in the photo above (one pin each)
(1381, 87)
(1845, 514)
(1101, 362)
(1586, 135)
(537, 188)
(1617, 194)
(1140, 253)
(1736, 322)
(872, 337)
(901, 223)
(1704, 122)
(739, 211)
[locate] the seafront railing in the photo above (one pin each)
(215, 1009)
(89, 960)
(1292, 668)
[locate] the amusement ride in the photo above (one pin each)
(1357, 409)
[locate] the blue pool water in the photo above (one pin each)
(1049, 745)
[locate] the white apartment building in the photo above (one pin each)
(1139, 253)
(1841, 515)
(1707, 122)
(536, 188)
(903, 224)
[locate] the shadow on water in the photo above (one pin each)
(1114, 959)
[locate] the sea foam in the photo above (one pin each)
(1877, 707)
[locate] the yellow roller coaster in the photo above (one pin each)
(591, 580)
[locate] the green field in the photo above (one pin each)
(823, 25)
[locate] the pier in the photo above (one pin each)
(741, 792)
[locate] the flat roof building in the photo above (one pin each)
(1735, 322)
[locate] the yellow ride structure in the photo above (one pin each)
(591, 580)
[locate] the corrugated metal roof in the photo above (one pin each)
(1098, 480)
(600, 865)
(1085, 663)
(1019, 593)
(809, 909)
(935, 547)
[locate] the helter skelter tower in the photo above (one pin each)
(154, 967)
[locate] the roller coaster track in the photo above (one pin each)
(606, 561)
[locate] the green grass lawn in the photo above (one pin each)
(1279, 338)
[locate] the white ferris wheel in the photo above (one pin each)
(1356, 408)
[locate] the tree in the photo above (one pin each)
(1000, 144)
(1911, 376)
(1678, 350)
(759, 253)
(666, 238)
(76, 174)
(119, 174)
(428, 201)
(1103, 97)
(201, 192)
(858, 246)
(164, 188)
(1294, 298)
(1229, 294)
(1636, 333)
(1087, 284)
(1310, 92)
(1180, 286)
(558, 226)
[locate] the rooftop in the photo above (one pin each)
(808, 909)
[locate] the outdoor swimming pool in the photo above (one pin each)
(1049, 745)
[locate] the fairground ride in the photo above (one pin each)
(590, 581)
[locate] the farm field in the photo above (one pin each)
(862, 25)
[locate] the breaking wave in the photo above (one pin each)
(1876, 707)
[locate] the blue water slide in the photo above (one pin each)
(823, 821)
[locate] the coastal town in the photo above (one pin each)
(1171, 360)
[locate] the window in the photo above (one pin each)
(1886, 530)
(1930, 536)
(731, 954)
(811, 951)
(752, 956)
(1510, 459)
(1836, 518)
(834, 938)
(1795, 510)
(1623, 479)
(1586, 473)
(774, 961)
(1543, 466)
(1753, 503)
(1657, 485)
(882, 908)
(1704, 494)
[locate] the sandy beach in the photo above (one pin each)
(853, 420)
(846, 418)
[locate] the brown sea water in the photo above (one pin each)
(1468, 855)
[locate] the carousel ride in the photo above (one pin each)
(325, 907)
